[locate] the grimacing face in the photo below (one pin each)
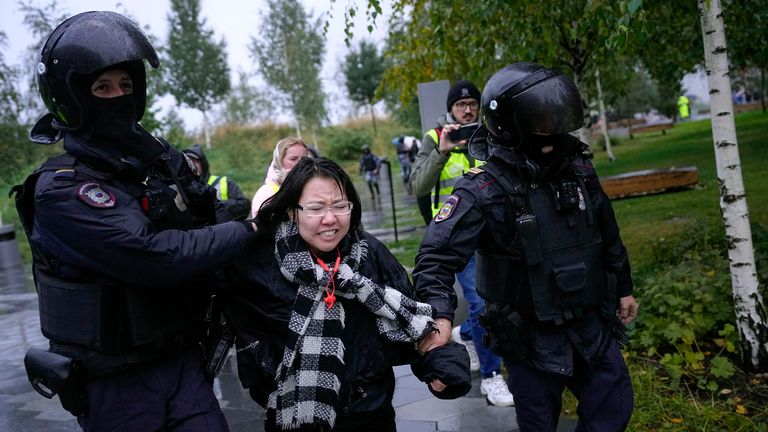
(112, 83)
(322, 233)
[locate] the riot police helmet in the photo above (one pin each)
(81, 46)
(527, 98)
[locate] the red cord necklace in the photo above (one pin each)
(330, 297)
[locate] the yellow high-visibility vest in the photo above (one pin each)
(220, 183)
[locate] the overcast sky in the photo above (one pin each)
(234, 20)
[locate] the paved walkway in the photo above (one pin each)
(22, 409)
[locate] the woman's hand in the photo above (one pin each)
(437, 385)
(435, 339)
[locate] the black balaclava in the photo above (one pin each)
(111, 128)
(563, 146)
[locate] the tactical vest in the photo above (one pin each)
(560, 273)
(93, 311)
(220, 183)
(458, 163)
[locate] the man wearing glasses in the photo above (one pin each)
(441, 161)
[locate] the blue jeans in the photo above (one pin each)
(471, 328)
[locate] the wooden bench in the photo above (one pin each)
(751, 106)
(650, 128)
(638, 183)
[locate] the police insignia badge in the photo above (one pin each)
(447, 209)
(96, 195)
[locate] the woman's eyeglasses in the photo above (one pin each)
(316, 210)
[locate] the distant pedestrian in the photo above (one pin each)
(684, 107)
(369, 169)
(227, 191)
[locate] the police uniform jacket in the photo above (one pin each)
(119, 248)
(480, 216)
(259, 302)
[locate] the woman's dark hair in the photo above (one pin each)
(275, 210)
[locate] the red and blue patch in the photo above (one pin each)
(447, 209)
(96, 195)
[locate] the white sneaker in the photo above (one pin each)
(496, 391)
(474, 360)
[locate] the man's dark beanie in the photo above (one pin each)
(462, 89)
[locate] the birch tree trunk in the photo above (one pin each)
(747, 301)
(206, 132)
(603, 120)
(583, 132)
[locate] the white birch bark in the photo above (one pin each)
(206, 132)
(748, 304)
(583, 133)
(603, 120)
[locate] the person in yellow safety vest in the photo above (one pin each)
(288, 151)
(440, 163)
(227, 191)
(684, 107)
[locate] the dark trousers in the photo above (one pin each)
(604, 393)
(382, 420)
(166, 395)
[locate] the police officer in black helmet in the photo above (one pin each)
(123, 241)
(551, 264)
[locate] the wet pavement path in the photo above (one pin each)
(22, 409)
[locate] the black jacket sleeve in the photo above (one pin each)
(445, 250)
(237, 204)
(121, 243)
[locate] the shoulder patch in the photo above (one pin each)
(474, 171)
(447, 209)
(96, 195)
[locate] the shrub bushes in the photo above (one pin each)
(687, 318)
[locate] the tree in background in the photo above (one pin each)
(669, 45)
(14, 144)
(472, 40)
(289, 55)
(246, 104)
(196, 68)
(747, 39)
(363, 69)
(40, 21)
(748, 304)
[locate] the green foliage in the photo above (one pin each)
(196, 65)
(244, 152)
(474, 39)
(682, 297)
(246, 104)
(344, 144)
(172, 130)
(289, 54)
(642, 95)
(661, 407)
(669, 45)
(363, 69)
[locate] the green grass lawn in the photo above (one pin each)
(654, 216)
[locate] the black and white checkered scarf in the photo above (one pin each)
(308, 376)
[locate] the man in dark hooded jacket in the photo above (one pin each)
(227, 190)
